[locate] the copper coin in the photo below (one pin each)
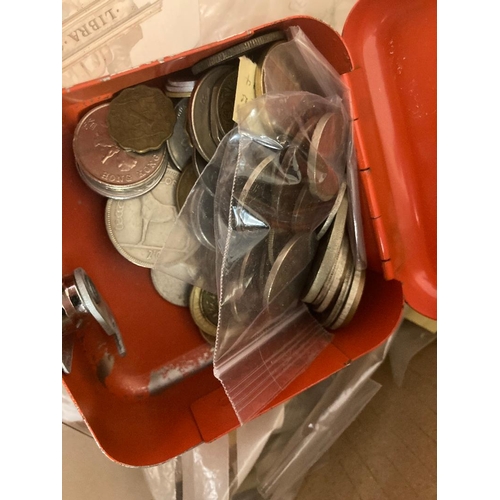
(141, 118)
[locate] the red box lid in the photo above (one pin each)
(392, 45)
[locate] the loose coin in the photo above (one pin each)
(173, 290)
(141, 118)
(260, 85)
(210, 339)
(137, 227)
(237, 51)
(224, 102)
(288, 273)
(179, 144)
(199, 118)
(326, 256)
(202, 218)
(204, 309)
(108, 169)
(186, 182)
(199, 162)
(180, 82)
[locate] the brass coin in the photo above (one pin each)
(185, 184)
(236, 51)
(204, 309)
(327, 254)
(141, 118)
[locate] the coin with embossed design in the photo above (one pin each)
(138, 227)
(108, 169)
(172, 289)
(141, 118)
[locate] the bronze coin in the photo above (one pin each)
(185, 184)
(141, 118)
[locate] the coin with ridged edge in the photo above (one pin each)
(204, 309)
(237, 51)
(141, 118)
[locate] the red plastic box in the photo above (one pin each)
(387, 56)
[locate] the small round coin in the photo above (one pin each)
(237, 51)
(186, 182)
(141, 118)
(137, 227)
(204, 309)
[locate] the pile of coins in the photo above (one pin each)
(144, 151)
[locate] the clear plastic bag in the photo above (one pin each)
(250, 226)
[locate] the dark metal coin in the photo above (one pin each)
(186, 182)
(141, 118)
(179, 144)
(199, 162)
(199, 112)
(204, 310)
(237, 51)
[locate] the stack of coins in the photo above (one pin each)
(145, 150)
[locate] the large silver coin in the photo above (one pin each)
(352, 301)
(333, 212)
(327, 255)
(179, 144)
(331, 289)
(288, 273)
(199, 112)
(173, 290)
(137, 227)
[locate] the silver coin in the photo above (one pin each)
(108, 169)
(333, 212)
(328, 317)
(237, 51)
(352, 301)
(323, 180)
(330, 291)
(179, 144)
(202, 218)
(137, 227)
(288, 273)
(173, 290)
(199, 162)
(199, 111)
(327, 254)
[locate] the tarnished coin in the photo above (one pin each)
(323, 181)
(138, 227)
(186, 182)
(333, 212)
(173, 290)
(352, 301)
(177, 94)
(237, 51)
(179, 144)
(141, 118)
(108, 169)
(180, 82)
(204, 309)
(199, 162)
(327, 254)
(331, 288)
(199, 118)
(288, 273)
